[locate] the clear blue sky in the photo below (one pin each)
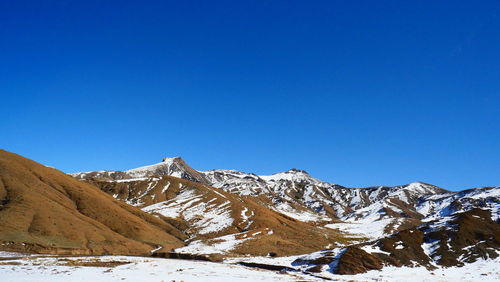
(358, 93)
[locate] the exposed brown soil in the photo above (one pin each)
(10, 263)
(93, 263)
(474, 236)
(288, 237)
(411, 241)
(46, 211)
(355, 260)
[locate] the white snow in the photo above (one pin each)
(50, 268)
(246, 218)
(436, 206)
(130, 179)
(399, 246)
(219, 245)
(373, 249)
(294, 176)
(236, 181)
(302, 215)
(12, 254)
(479, 271)
(151, 185)
(156, 249)
(203, 216)
(42, 269)
(165, 188)
(169, 166)
(430, 247)
(174, 207)
(366, 228)
(218, 193)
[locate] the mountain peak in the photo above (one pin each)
(422, 187)
(295, 170)
(171, 166)
(294, 175)
(171, 159)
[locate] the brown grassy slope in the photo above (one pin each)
(288, 236)
(44, 210)
(355, 260)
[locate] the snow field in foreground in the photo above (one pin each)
(33, 268)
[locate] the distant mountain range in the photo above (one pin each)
(221, 214)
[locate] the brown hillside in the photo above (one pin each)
(355, 260)
(200, 207)
(44, 210)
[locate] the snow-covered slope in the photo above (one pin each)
(297, 187)
(169, 166)
(437, 206)
(296, 193)
(364, 213)
(21, 268)
(220, 222)
(455, 240)
(175, 167)
(237, 182)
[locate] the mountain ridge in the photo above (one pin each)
(285, 189)
(177, 167)
(147, 170)
(332, 228)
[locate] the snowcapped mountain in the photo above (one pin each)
(252, 184)
(175, 167)
(235, 213)
(437, 206)
(299, 195)
(218, 222)
(247, 184)
(297, 187)
(169, 166)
